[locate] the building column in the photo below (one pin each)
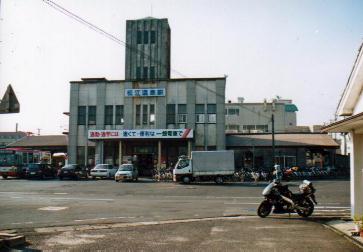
(120, 153)
(356, 175)
(189, 148)
(99, 152)
(159, 154)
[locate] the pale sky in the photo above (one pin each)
(299, 50)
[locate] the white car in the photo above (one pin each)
(126, 172)
(103, 171)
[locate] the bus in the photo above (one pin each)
(13, 161)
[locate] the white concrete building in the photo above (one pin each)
(350, 113)
(255, 117)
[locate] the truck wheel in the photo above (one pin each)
(219, 180)
(5, 176)
(186, 180)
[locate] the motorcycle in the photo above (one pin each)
(284, 201)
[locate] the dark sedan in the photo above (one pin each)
(73, 171)
(39, 170)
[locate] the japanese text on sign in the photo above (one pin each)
(145, 92)
(146, 133)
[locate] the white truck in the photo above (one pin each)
(205, 166)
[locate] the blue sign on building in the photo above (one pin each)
(145, 92)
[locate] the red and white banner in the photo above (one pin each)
(144, 133)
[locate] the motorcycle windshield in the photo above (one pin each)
(268, 189)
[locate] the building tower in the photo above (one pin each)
(148, 49)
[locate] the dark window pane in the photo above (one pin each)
(146, 37)
(145, 74)
(211, 108)
(108, 115)
(152, 37)
(170, 113)
(119, 115)
(139, 37)
(81, 115)
(138, 73)
(182, 108)
(144, 114)
(138, 114)
(199, 108)
(152, 72)
(91, 115)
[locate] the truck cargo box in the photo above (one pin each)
(212, 162)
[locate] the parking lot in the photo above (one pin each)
(37, 203)
(164, 216)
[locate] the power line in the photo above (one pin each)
(102, 32)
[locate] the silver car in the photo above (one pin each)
(103, 171)
(126, 172)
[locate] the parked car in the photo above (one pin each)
(39, 170)
(126, 172)
(103, 171)
(73, 171)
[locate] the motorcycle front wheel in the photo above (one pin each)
(264, 209)
(309, 208)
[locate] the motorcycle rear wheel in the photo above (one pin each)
(264, 209)
(309, 206)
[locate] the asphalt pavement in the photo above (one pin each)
(147, 215)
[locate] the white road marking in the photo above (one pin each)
(240, 203)
(16, 197)
(60, 193)
(52, 208)
(89, 199)
(332, 207)
(95, 219)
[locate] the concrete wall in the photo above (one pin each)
(356, 175)
(147, 55)
(184, 91)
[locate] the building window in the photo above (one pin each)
(212, 111)
(138, 73)
(152, 114)
(81, 115)
(144, 114)
(233, 111)
(91, 115)
(139, 37)
(152, 37)
(199, 113)
(80, 155)
(255, 128)
(145, 73)
(138, 114)
(152, 72)
(233, 127)
(108, 115)
(119, 115)
(170, 113)
(146, 37)
(182, 113)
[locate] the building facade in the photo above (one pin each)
(242, 117)
(149, 118)
(349, 117)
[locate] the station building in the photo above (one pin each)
(148, 118)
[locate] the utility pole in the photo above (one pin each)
(273, 139)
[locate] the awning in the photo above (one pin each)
(349, 124)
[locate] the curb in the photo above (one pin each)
(341, 233)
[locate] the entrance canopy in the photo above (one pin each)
(346, 125)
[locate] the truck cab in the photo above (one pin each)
(183, 170)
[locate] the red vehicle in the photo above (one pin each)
(13, 161)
